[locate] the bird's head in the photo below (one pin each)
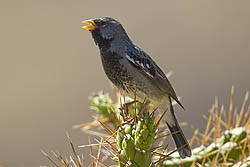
(104, 29)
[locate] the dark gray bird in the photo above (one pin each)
(129, 68)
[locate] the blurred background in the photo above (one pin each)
(49, 65)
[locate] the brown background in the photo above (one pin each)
(49, 65)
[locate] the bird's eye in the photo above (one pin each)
(102, 23)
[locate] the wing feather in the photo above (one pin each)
(142, 61)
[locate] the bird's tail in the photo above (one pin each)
(177, 134)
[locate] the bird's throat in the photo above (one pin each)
(101, 42)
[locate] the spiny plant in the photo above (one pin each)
(133, 136)
(134, 131)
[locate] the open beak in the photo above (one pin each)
(91, 25)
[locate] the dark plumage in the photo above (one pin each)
(130, 68)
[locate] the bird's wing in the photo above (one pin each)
(142, 61)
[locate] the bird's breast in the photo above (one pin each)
(116, 72)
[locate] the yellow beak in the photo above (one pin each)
(91, 25)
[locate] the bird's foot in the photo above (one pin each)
(125, 106)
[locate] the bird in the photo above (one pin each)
(132, 71)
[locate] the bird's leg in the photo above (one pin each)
(145, 103)
(126, 105)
